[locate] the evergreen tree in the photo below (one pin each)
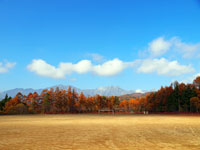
(4, 101)
(46, 103)
(173, 101)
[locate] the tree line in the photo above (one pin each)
(178, 97)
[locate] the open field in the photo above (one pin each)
(99, 132)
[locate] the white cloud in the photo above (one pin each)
(139, 91)
(163, 67)
(188, 79)
(159, 46)
(96, 57)
(81, 67)
(40, 67)
(187, 49)
(5, 67)
(191, 78)
(109, 68)
(196, 75)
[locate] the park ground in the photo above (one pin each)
(99, 132)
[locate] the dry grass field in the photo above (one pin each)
(99, 132)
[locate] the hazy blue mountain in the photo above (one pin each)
(107, 91)
(103, 91)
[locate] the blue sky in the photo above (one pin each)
(137, 44)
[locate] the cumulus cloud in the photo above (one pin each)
(159, 46)
(5, 67)
(42, 68)
(153, 64)
(109, 68)
(163, 67)
(81, 67)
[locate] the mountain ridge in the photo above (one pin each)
(103, 91)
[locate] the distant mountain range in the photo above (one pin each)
(103, 91)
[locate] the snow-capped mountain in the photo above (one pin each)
(107, 91)
(103, 91)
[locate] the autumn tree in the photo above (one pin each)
(19, 109)
(12, 103)
(133, 105)
(58, 100)
(124, 105)
(46, 103)
(151, 98)
(174, 98)
(15, 105)
(195, 104)
(81, 103)
(196, 82)
(72, 98)
(91, 104)
(65, 106)
(99, 102)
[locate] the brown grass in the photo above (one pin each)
(99, 132)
